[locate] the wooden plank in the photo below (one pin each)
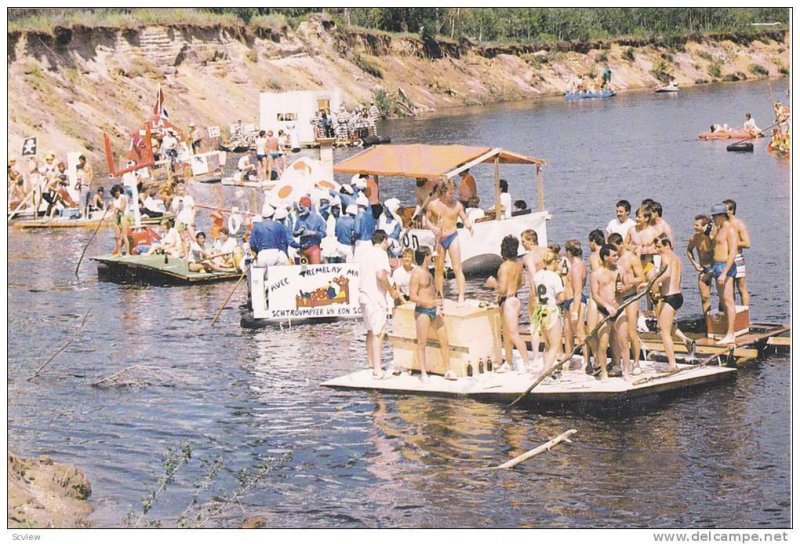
(403, 341)
(703, 350)
(779, 341)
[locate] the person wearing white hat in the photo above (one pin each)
(364, 225)
(284, 219)
(346, 194)
(194, 138)
(345, 233)
(269, 241)
(391, 224)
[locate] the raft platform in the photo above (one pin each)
(152, 270)
(67, 223)
(572, 386)
(757, 342)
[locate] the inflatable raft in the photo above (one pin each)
(608, 93)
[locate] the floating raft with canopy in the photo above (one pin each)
(155, 270)
(480, 253)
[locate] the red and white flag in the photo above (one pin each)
(158, 108)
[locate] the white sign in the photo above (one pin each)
(213, 132)
(312, 291)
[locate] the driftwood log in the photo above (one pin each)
(563, 437)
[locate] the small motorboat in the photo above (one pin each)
(672, 87)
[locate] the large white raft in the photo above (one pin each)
(572, 386)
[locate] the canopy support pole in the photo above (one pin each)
(540, 187)
(497, 212)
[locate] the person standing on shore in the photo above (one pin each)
(740, 282)
(726, 243)
(373, 284)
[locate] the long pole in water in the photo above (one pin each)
(99, 224)
(244, 274)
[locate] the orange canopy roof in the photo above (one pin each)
(424, 161)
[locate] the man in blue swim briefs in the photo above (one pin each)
(726, 245)
(441, 217)
(427, 312)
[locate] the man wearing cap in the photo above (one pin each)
(364, 225)
(346, 194)
(268, 240)
(310, 229)
(390, 223)
(726, 244)
(373, 284)
(346, 233)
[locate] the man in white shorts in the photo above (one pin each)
(373, 284)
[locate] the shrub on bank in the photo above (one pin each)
(629, 55)
(367, 66)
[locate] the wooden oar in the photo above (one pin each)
(99, 224)
(21, 204)
(593, 332)
(762, 131)
(244, 274)
(223, 209)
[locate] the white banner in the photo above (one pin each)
(317, 290)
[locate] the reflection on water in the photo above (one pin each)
(357, 459)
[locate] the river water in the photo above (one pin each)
(718, 457)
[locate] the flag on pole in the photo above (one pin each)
(158, 108)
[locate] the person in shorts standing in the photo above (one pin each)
(373, 284)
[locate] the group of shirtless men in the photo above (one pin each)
(631, 259)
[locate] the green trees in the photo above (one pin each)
(485, 24)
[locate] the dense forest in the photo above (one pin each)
(476, 24)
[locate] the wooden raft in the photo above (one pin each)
(573, 386)
(151, 269)
(747, 347)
